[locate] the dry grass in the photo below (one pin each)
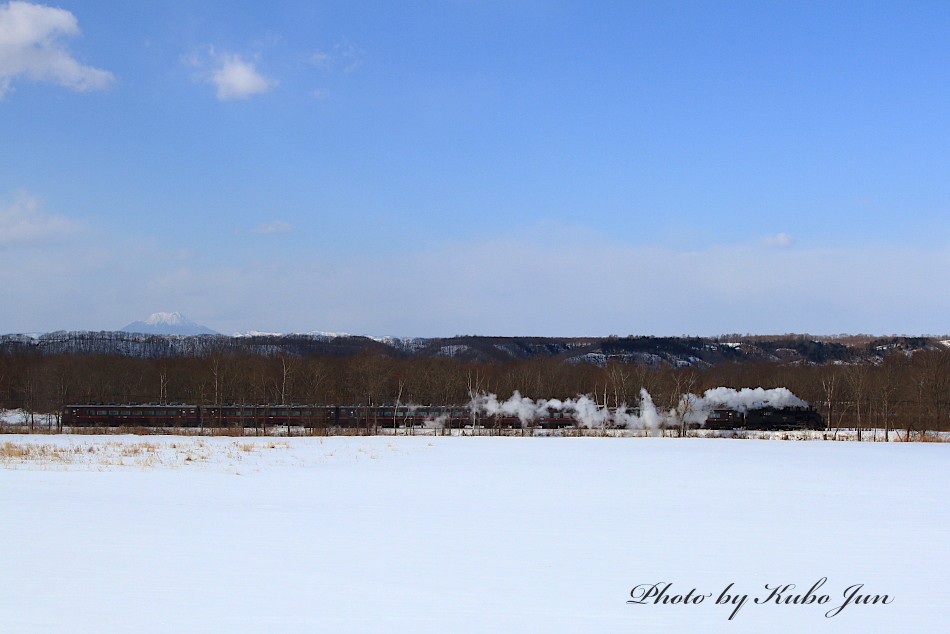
(97, 453)
(28, 452)
(15, 451)
(926, 436)
(249, 447)
(103, 454)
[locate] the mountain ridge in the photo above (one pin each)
(652, 351)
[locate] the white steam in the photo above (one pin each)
(690, 409)
(745, 399)
(437, 422)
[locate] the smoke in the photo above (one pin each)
(690, 409)
(436, 423)
(525, 409)
(585, 410)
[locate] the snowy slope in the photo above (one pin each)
(465, 534)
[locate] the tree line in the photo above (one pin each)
(902, 391)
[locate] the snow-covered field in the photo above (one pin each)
(449, 534)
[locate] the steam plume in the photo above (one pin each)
(690, 409)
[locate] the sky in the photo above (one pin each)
(447, 167)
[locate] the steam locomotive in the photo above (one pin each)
(767, 418)
(153, 415)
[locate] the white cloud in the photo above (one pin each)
(30, 47)
(780, 240)
(235, 78)
(24, 223)
(322, 60)
(344, 56)
(272, 227)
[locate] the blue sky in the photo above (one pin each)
(464, 167)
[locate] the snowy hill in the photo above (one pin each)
(140, 340)
(168, 324)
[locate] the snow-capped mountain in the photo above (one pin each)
(168, 324)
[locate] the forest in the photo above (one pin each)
(899, 390)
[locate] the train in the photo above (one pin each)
(191, 416)
(173, 415)
(766, 418)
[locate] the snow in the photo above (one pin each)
(596, 358)
(257, 333)
(169, 319)
(473, 534)
(11, 418)
(453, 350)
(407, 344)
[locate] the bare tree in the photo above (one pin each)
(886, 388)
(618, 377)
(684, 382)
(163, 383)
(831, 387)
(288, 367)
(931, 375)
(858, 379)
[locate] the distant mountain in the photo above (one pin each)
(168, 324)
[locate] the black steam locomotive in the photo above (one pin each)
(766, 418)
